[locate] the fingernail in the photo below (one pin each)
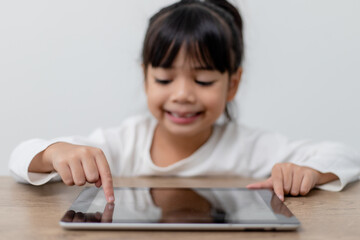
(281, 197)
(111, 199)
(111, 206)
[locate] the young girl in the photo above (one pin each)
(192, 56)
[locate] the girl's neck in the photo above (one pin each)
(167, 148)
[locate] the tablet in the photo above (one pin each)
(180, 208)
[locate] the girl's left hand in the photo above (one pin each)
(289, 178)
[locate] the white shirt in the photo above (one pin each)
(232, 150)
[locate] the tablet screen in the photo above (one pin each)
(180, 205)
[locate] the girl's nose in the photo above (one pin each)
(183, 92)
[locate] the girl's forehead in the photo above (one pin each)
(185, 60)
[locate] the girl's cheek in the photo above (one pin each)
(155, 101)
(216, 96)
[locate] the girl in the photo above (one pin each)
(192, 56)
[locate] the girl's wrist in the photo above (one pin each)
(47, 158)
(42, 162)
(39, 164)
(326, 177)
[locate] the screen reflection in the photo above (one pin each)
(180, 205)
(106, 216)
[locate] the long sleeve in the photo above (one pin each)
(325, 157)
(23, 154)
(329, 157)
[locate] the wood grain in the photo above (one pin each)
(33, 212)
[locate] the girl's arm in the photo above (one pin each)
(298, 166)
(76, 160)
(76, 164)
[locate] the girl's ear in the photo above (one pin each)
(234, 84)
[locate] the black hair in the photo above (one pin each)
(210, 31)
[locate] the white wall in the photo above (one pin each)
(67, 67)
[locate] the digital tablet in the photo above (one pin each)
(180, 208)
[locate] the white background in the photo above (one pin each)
(68, 67)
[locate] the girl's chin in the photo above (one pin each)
(187, 131)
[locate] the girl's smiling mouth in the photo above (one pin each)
(182, 117)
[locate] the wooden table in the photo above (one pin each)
(29, 212)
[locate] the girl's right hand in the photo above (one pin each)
(76, 164)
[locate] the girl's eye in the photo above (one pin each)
(204, 83)
(161, 81)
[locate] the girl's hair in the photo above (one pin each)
(210, 31)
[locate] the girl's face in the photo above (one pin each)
(186, 99)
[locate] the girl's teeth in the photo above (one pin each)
(186, 116)
(190, 115)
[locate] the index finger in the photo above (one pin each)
(278, 184)
(105, 175)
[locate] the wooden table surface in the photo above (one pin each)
(30, 212)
